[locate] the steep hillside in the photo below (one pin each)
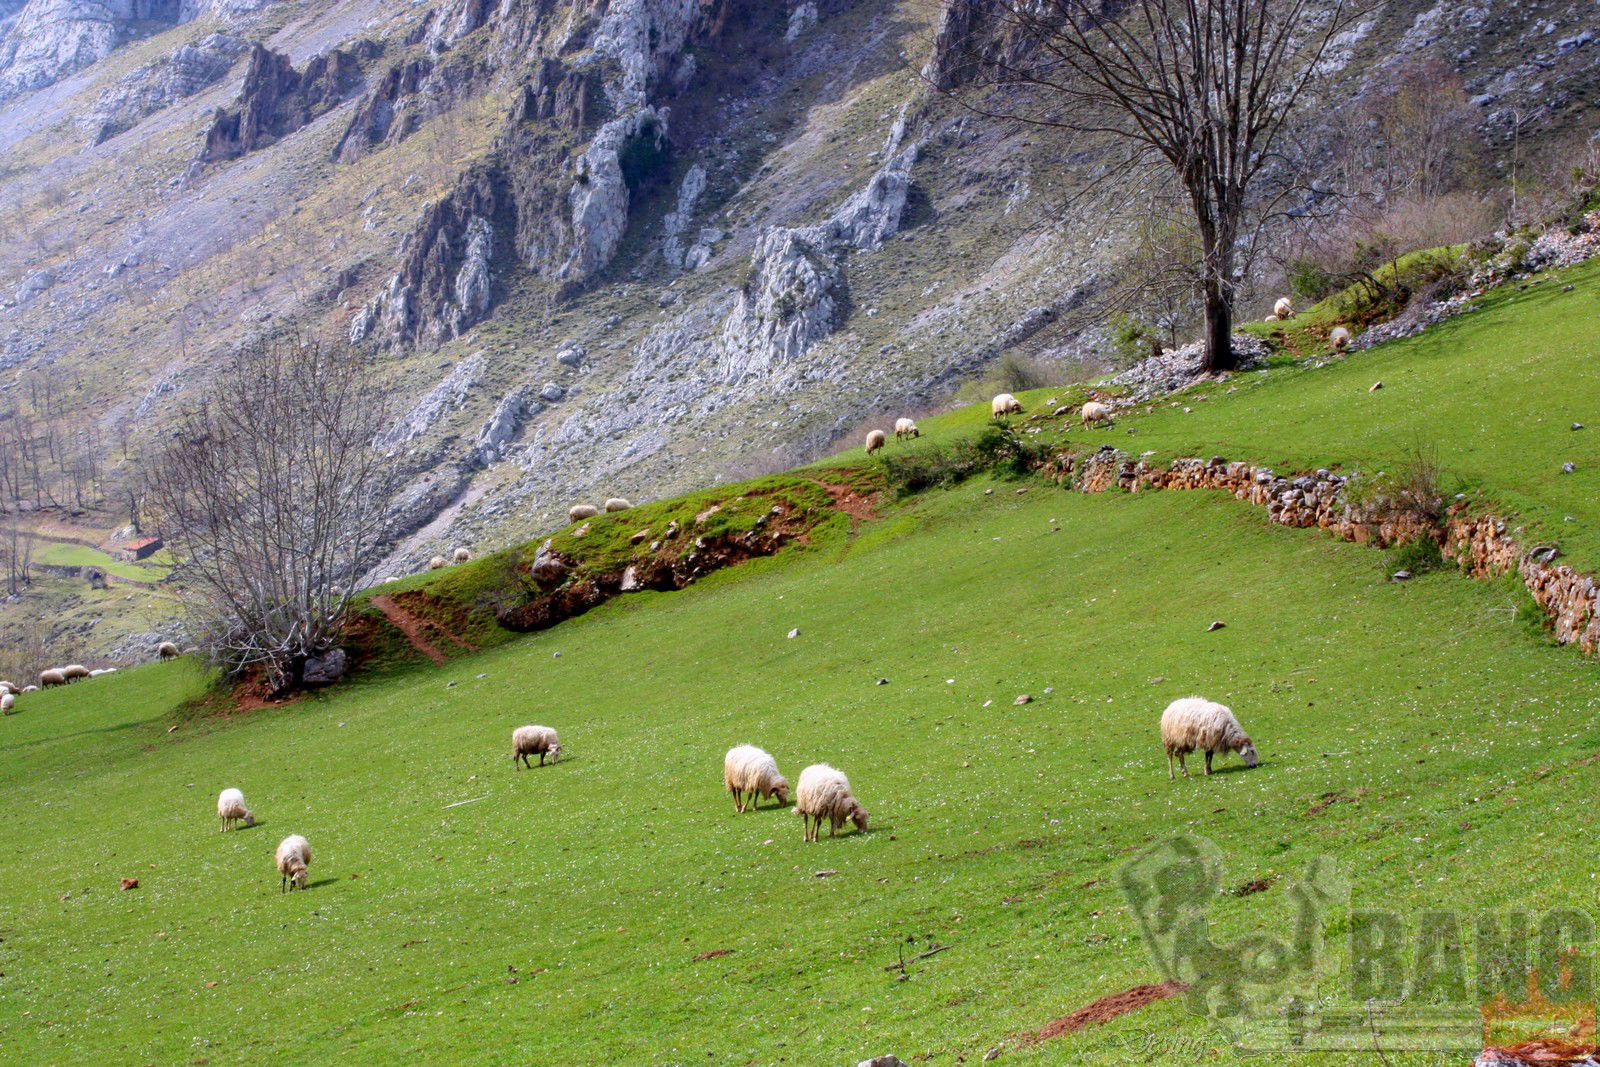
(624, 247)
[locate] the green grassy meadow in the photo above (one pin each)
(613, 909)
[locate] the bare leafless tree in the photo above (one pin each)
(273, 497)
(1206, 87)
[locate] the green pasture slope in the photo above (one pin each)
(1420, 734)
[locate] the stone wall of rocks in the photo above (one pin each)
(1481, 544)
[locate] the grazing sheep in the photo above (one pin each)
(436, 563)
(53, 676)
(1339, 338)
(582, 511)
(96, 673)
(30, 689)
(1193, 724)
(876, 440)
(7, 702)
(1095, 412)
(1270, 318)
(904, 428)
(1284, 308)
(824, 793)
(231, 808)
(618, 503)
(747, 769)
(1004, 404)
(461, 555)
(167, 650)
(73, 671)
(531, 740)
(7, 687)
(294, 856)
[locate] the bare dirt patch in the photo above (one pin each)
(1105, 1009)
(861, 507)
(416, 628)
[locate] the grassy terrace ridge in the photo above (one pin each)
(1419, 734)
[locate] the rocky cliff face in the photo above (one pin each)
(606, 246)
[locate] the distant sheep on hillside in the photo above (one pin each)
(747, 769)
(1339, 337)
(1095, 412)
(824, 793)
(461, 555)
(534, 740)
(167, 650)
(1193, 724)
(231, 809)
(1284, 308)
(30, 689)
(876, 439)
(618, 503)
(904, 428)
(74, 671)
(52, 677)
(436, 563)
(294, 856)
(7, 702)
(581, 511)
(1003, 405)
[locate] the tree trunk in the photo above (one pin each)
(1219, 330)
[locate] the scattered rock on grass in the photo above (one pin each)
(1401, 576)
(1568, 468)
(1023, 698)
(1375, 387)
(1219, 624)
(794, 633)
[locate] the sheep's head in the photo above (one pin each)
(780, 789)
(299, 875)
(1247, 750)
(555, 751)
(858, 815)
(249, 819)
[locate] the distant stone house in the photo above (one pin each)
(136, 550)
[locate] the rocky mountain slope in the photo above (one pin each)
(623, 247)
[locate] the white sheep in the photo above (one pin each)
(167, 650)
(53, 676)
(582, 511)
(30, 689)
(1270, 318)
(876, 439)
(1284, 308)
(1194, 724)
(618, 503)
(436, 563)
(534, 740)
(74, 671)
(747, 769)
(294, 856)
(7, 687)
(1004, 404)
(231, 808)
(824, 793)
(7, 702)
(1095, 412)
(1339, 337)
(461, 555)
(904, 428)
(98, 672)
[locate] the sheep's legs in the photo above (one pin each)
(1170, 776)
(1182, 764)
(1208, 762)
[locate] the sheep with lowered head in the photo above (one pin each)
(824, 793)
(7, 702)
(876, 439)
(461, 555)
(30, 689)
(1284, 308)
(1339, 338)
(747, 769)
(1193, 724)
(582, 511)
(53, 676)
(231, 809)
(294, 856)
(534, 740)
(74, 671)
(167, 650)
(618, 503)
(904, 428)
(1003, 405)
(1095, 412)
(436, 563)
